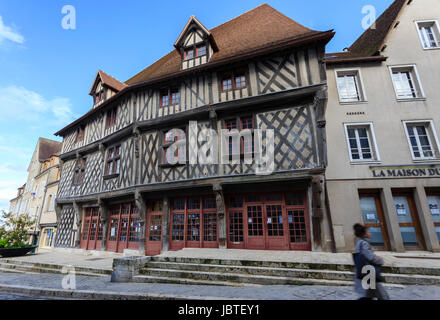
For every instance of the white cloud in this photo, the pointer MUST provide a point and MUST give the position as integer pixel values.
(9, 34)
(8, 191)
(19, 103)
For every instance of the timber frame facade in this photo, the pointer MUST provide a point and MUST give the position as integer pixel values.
(126, 197)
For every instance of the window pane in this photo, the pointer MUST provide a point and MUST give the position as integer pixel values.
(348, 89)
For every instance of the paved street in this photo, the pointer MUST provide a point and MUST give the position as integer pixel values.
(101, 284)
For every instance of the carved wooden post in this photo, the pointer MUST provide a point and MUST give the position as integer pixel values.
(165, 223)
(142, 208)
(58, 212)
(317, 209)
(221, 215)
(78, 217)
(103, 208)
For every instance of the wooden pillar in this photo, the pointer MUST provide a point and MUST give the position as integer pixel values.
(142, 207)
(58, 212)
(103, 208)
(221, 216)
(165, 224)
(78, 218)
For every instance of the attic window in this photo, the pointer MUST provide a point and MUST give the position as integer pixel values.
(189, 54)
(99, 96)
(201, 50)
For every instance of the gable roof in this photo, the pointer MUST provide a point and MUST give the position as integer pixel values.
(107, 80)
(370, 42)
(191, 20)
(255, 32)
(258, 28)
(48, 148)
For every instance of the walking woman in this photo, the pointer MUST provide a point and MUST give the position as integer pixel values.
(364, 249)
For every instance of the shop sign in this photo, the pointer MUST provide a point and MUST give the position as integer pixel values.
(406, 173)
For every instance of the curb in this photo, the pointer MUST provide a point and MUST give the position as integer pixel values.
(96, 295)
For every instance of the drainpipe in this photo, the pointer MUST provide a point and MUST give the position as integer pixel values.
(329, 218)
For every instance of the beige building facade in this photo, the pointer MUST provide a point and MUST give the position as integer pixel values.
(383, 124)
(37, 196)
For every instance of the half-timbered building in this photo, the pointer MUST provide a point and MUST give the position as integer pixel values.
(260, 71)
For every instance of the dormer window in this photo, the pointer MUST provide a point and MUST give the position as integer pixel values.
(169, 97)
(189, 54)
(99, 96)
(201, 50)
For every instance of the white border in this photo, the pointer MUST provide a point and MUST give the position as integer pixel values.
(419, 83)
(420, 36)
(434, 132)
(362, 87)
(373, 135)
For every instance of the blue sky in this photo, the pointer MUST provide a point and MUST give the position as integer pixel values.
(46, 71)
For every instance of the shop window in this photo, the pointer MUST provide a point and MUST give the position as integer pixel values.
(361, 142)
(429, 34)
(422, 139)
(406, 82)
(349, 83)
(236, 227)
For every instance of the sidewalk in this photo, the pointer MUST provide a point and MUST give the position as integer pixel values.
(49, 285)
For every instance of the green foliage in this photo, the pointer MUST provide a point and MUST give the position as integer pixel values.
(14, 233)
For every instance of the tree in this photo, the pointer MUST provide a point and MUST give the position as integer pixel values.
(14, 232)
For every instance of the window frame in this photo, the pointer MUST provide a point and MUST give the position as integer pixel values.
(79, 171)
(412, 68)
(169, 94)
(113, 161)
(80, 133)
(232, 77)
(431, 130)
(435, 24)
(371, 139)
(197, 50)
(238, 120)
(166, 144)
(111, 117)
(359, 83)
(185, 55)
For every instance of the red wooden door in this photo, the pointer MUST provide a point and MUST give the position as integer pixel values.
(113, 228)
(93, 231)
(134, 230)
(178, 222)
(209, 223)
(193, 223)
(298, 221)
(86, 229)
(275, 223)
(153, 239)
(235, 223)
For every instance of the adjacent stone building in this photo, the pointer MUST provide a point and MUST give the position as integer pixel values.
(37, 196)
(383, 122)
(129, 180)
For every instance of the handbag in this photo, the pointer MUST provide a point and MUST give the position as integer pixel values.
(360, 262)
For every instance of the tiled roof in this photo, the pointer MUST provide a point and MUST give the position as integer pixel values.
(258, 28)
(109, 81)
(370, 42)
(48, 148)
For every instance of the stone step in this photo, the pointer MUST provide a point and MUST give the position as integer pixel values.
(56, 266)
(430, 271)
(205, 271)
(240, 278)
(28, 268)
(264, 271)
(186, 281)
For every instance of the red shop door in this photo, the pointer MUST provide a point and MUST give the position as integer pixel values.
(298, 221)
(113, 228)
(86, 229)
(275, 223)
(209, 226)
(193, 223)
(235, 216)
(94, 226)
(178, 209)
(153, 244)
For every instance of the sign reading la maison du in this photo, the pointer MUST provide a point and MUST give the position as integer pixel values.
(410, 171)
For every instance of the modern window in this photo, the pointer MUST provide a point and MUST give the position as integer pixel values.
(169, 138)
(80, 168)
(422, 139)
(406, 82)
(79, 134)
(169, 97)
(235, 80)
(113, 161)
(361, 142)
(350, 87)
(429, 33)
(111, 118)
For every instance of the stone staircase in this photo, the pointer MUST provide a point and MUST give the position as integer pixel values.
(18, 266)
(225, 272)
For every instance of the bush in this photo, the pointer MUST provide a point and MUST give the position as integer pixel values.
(14, 234)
